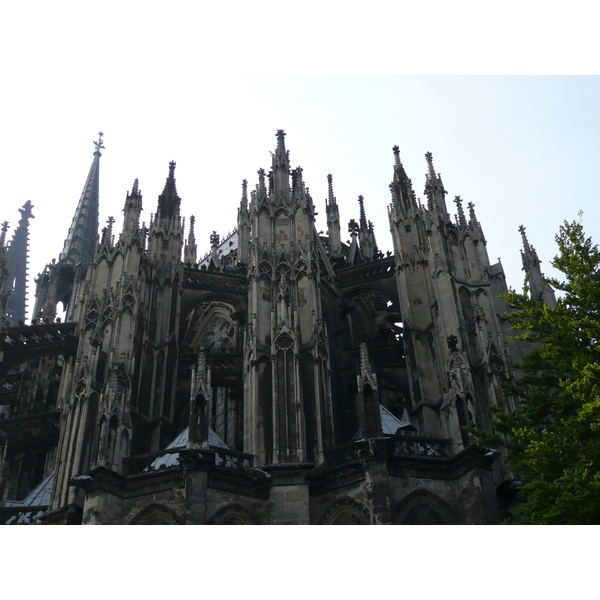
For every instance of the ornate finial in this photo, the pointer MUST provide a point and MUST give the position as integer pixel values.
(396, 151)
(472, 212)
(26, 213)
(353, 227)
(363, 218)
(429, 159)
(523, 236)
(99, 145)
(135, 190)
(214, 239)
(109, 223)
(261, 182)
(172, 166)
(461, 212)
(330, 196)
(192, 221)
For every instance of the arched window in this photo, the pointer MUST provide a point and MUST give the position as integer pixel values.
(423, 507)
(345, 512)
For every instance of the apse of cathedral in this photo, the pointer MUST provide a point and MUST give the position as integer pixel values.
(286, 377)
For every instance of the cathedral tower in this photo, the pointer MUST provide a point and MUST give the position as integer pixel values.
(288, 414)
(61, 280)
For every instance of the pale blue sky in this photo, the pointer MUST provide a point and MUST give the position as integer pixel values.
(162, 87)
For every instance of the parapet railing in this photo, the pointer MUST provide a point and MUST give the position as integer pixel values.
(398, 445)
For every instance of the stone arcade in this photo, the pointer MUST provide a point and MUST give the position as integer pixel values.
(285, 378)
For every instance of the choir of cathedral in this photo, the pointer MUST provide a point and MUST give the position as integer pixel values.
(285, 378)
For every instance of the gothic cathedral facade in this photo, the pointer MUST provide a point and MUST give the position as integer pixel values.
(285, 378)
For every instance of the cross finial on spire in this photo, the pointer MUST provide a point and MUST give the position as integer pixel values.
(524, 237)
(472, 216)
(396, 156)
(363, 218)
(429, 159)
(461, 212)
(26, 211)
(330, 196)
(172, 166)
(99, 145)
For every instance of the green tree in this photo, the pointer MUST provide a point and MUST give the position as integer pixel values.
(554, 432)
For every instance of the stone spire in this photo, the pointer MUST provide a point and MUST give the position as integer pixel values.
(363, 218)
(80, 244)
(403, 196)
(244, 225)
(434, 189)
(365, 236)
(368, 390)
(540, 289)
(79, 247)
(333, 220)
(190, 250)
(169, 201)
(16, 264)
(460, 212)
(132, 208)
(280, 169)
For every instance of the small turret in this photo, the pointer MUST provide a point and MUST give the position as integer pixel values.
(403, 196)
(540, 289)
(368, 394)
(460, 217)
(365, 233)
(354, 255)
(244, 226)
(190, 250)
(434, 189)
(280, 169)
(169, 202)
(16, 265)
(333, 220)
(133, 208)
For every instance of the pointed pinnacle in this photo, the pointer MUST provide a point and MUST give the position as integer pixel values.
(524, 237)
(429, 158)
(99, 145)
(461, 212)
(472, 212)
(363, 218)
(280, 140)
(397, 156)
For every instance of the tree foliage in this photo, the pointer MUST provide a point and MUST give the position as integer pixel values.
(554, 432)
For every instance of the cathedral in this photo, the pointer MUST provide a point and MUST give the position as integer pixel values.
(286, 377)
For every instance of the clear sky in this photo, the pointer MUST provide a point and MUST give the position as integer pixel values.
(209, 88)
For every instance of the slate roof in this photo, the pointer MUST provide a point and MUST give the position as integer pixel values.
(171, 460)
